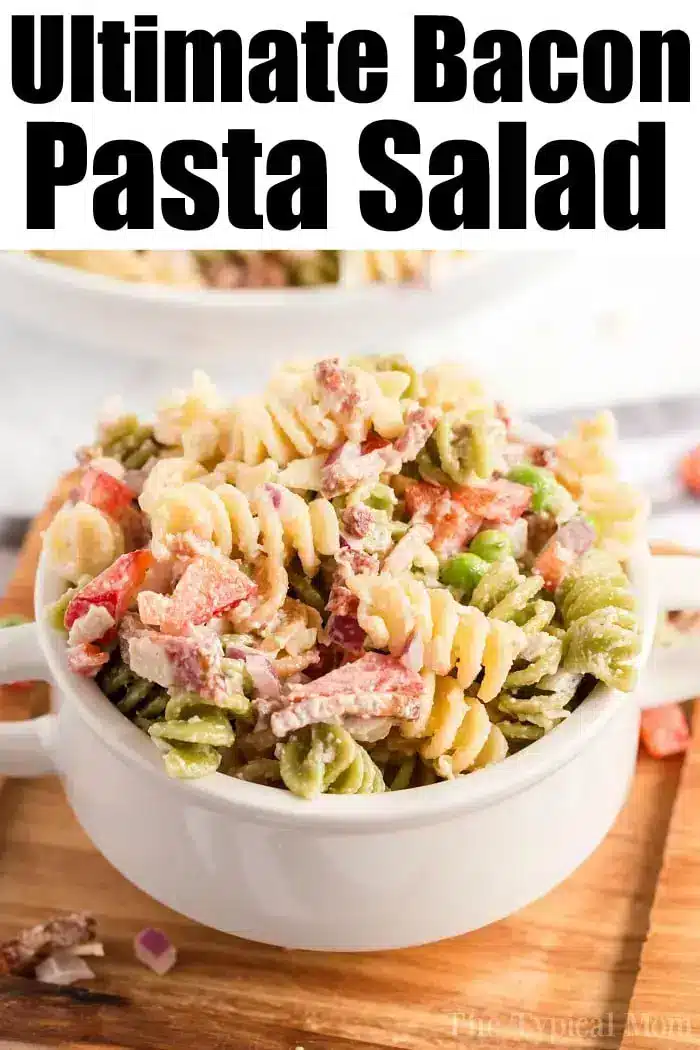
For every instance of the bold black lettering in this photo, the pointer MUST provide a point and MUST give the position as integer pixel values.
(675, 44)
(203, 48)
(204, 197)
(317, 40)
(24, 71)
(280, 67)
(310, 183)
(146, 58)
(512, 175)
(406, 187)
(113, 39)
(651, 194)
(358, 50)
(82, 42)
(44, 173)
(546, 84)
(578, 183)
(500, 79)
(598, 46)
(135, 183)
(242, 151)
(431, 54)
(472, 181)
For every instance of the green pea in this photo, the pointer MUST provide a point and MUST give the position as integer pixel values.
(463, 572)
(541, 482)
(491, 545)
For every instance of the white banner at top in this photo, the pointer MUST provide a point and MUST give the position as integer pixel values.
(362, 126)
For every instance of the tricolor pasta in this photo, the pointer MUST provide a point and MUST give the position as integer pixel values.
(361, 580)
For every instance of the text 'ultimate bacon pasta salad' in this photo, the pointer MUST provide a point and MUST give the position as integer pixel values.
(363, 579)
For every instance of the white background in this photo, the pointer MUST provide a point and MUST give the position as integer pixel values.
(337, 126)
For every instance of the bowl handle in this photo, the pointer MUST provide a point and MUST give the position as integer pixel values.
(26, 747)
(672, 673)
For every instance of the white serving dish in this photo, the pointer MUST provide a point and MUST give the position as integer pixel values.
(103, 313)
(342, 873)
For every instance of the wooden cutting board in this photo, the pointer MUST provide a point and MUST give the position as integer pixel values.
(560, 973)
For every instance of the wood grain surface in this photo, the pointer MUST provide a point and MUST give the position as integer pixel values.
(665, 1008)
(559, 973)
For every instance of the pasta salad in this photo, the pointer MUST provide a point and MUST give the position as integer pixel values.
(231, 270)
(363, 579)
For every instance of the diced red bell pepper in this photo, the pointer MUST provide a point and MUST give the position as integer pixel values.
(499, 502)
(107, 493)
(552, 563)
(690, 471)
(569, 542)
(665, 731)
(86, 659)
(372, 442)
(421, 497)
(114, 588)
(453, 528)
(453, 525)
(208, 587)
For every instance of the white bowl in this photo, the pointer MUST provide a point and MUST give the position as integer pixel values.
(121, 317)
(341, 872)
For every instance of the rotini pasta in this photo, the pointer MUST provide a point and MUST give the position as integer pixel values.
(305, 411)
(273, 520)
(602, 636)
(82, 541)
(325, 758)
(458, 732)
(586, 466)
(392, 609)
(362, 580)
(230, 270)
(191, 419)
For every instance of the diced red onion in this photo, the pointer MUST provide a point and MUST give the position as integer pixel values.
(275, 494)
(154, 949)
(63, 968)
(265, 680)
(413, 655)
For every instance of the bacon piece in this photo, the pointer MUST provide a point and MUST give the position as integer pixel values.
(114, 589)
(21, 954)
(375, 686)
(102, 490)
(91, 627)
(339, 393)
(86, 659)
(420, 423)
(358, 521)
(499, 502)
(207, 588)
(345, 631)
(569, 542)
(191, 662)
(346, 467)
